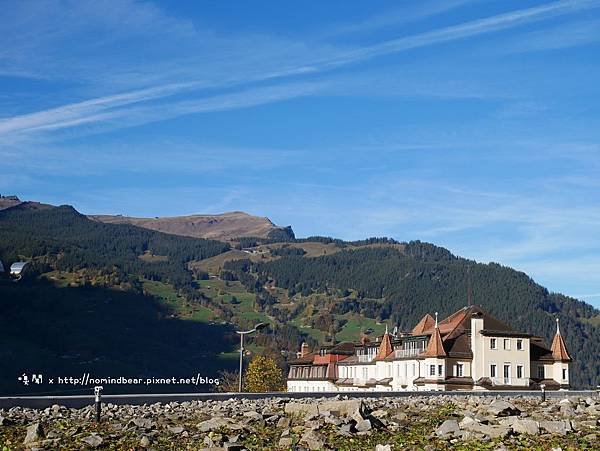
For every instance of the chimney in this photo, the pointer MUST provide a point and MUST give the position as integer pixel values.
(304, 350)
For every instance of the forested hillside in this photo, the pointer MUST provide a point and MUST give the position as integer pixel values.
(103, 286)
(61, 238)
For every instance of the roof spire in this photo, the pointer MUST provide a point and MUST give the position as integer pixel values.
(436, 320)
(559, 349)
(385, 347)
(435, 347)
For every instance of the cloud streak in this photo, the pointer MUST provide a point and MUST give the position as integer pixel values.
(462, 31)
(109, 108)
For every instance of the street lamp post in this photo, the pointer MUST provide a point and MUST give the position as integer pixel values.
(259, 326)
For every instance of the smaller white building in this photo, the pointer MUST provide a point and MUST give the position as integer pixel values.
(17, 269)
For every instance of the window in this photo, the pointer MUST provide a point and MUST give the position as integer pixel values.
(492, 370)
(440, 369)
(365, 373)
(493, 343)
(507, 343)
(564, 374)
(432, 370)
(506, 373)
(519, 345)
(459, 370)
(519, 371)
(541, 374)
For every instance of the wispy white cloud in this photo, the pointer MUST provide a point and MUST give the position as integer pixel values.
(572, 34)
(462, 31)
(106, 112)
(405, 12)
(109, 108)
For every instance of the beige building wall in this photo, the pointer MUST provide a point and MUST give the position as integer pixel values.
(504, 353)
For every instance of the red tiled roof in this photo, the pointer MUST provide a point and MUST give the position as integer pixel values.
(460, 321)
(559, 349)
(426, 323)
(435, 348)
(385, 348)
(306, 360)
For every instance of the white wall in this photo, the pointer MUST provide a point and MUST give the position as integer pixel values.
(505, 353)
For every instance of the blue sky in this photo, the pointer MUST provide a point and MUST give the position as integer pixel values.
(470, 124)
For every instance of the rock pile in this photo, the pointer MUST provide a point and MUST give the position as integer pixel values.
(415, 422)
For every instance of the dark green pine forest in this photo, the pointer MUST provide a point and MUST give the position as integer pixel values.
(119, 299)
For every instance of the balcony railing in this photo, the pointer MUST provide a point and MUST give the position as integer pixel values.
(515, 381)
(365, 358)
(400, 353)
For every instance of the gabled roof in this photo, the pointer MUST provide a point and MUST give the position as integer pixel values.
(459, 347)
(426, 323)
(460, 322)
(558, 348)
(305, 360)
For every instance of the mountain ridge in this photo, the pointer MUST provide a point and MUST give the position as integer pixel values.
(227, 226)
(223, 226)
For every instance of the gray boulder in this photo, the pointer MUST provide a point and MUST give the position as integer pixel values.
(35, 433)
(501, 408)
(560, 427)
(144, 441)
(526, 426)
(176, 430)
(298, 408)
(213, 424)
(93, 440)
(448, 427)
(5, 421)
(314, 440)
(363, 426)
(285, 442)
(345, 408)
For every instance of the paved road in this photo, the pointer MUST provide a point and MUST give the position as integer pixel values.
(78, 401)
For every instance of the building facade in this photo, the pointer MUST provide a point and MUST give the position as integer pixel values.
(469, 350)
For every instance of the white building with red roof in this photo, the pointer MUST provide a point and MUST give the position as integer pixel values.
(468, 350)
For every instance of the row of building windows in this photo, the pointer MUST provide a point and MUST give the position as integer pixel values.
(506, 371)
(506, 343)
(307, 372)
(306, 388)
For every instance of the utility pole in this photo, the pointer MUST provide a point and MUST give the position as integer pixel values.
(259, 326)
(469, 291)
